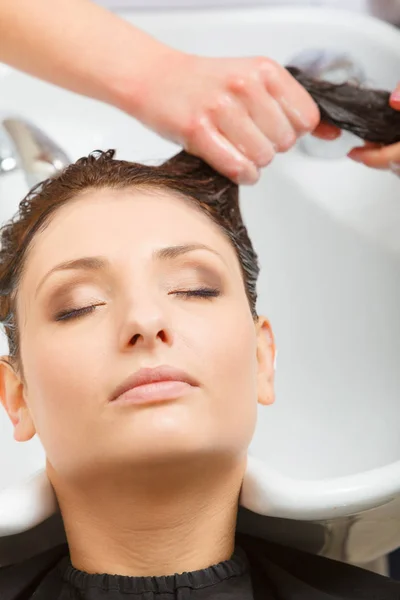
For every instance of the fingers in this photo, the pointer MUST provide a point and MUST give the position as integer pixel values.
(278, 104)
(241, 130)
(213, 147)
(324, 131)
(377, 157)
(266, 114)
(294, 100)
(251, 109)
(395, 98)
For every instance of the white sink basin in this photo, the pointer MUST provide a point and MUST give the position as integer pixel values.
(328, 235)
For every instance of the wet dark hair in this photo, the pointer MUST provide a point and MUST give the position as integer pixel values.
(364, 112)
(187, 175)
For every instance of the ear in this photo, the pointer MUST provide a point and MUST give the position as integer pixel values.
(13, 399)
(266, 354)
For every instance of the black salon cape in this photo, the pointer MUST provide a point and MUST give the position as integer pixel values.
(259, 570)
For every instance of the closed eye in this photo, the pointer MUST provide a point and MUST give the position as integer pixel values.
(75, 313)
(198, 293)
(70, 314)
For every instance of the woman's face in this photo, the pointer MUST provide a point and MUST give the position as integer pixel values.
(160, 285)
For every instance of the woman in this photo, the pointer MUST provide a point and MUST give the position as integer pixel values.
(138, 357)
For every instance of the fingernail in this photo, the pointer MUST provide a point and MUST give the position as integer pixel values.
(246, 173)
(355, 157)
(289, 138)
(395, 97)
(331, 135)
(248, 178)
(264, 158)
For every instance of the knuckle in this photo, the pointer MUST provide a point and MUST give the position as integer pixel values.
(192, 127)
(264, 63)
(265, 158)
(256, 69)
(237, 82)
(219, 104)
(266, 68)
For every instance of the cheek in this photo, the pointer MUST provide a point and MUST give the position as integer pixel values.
(229, 365)
(63, 380)
(233, 358)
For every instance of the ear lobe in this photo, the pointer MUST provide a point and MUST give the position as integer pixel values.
(266, 355)
(13, 401)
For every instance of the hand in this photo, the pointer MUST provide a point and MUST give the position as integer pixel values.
(377, 156)
(236, 114)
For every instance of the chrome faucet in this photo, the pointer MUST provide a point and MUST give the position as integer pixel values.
(24, 146)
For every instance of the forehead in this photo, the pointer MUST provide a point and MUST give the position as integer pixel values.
(124, 222)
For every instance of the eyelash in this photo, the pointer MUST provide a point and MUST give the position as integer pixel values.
(66, 315)
(205, 293)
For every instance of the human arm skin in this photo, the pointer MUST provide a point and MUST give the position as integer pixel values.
(235, 113)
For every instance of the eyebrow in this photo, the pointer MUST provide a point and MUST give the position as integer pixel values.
(100, 263)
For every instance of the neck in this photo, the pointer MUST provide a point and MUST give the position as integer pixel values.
(160, 523)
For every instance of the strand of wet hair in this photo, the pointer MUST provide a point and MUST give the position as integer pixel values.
(362, 111)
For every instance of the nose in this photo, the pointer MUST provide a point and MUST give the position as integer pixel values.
(145, 327)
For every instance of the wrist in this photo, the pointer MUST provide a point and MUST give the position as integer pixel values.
(139, 74)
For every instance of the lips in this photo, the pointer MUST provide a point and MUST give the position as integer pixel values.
(158, 375)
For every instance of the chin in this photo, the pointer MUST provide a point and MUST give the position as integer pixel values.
(165, 446)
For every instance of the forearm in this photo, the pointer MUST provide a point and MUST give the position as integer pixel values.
(77, 45)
